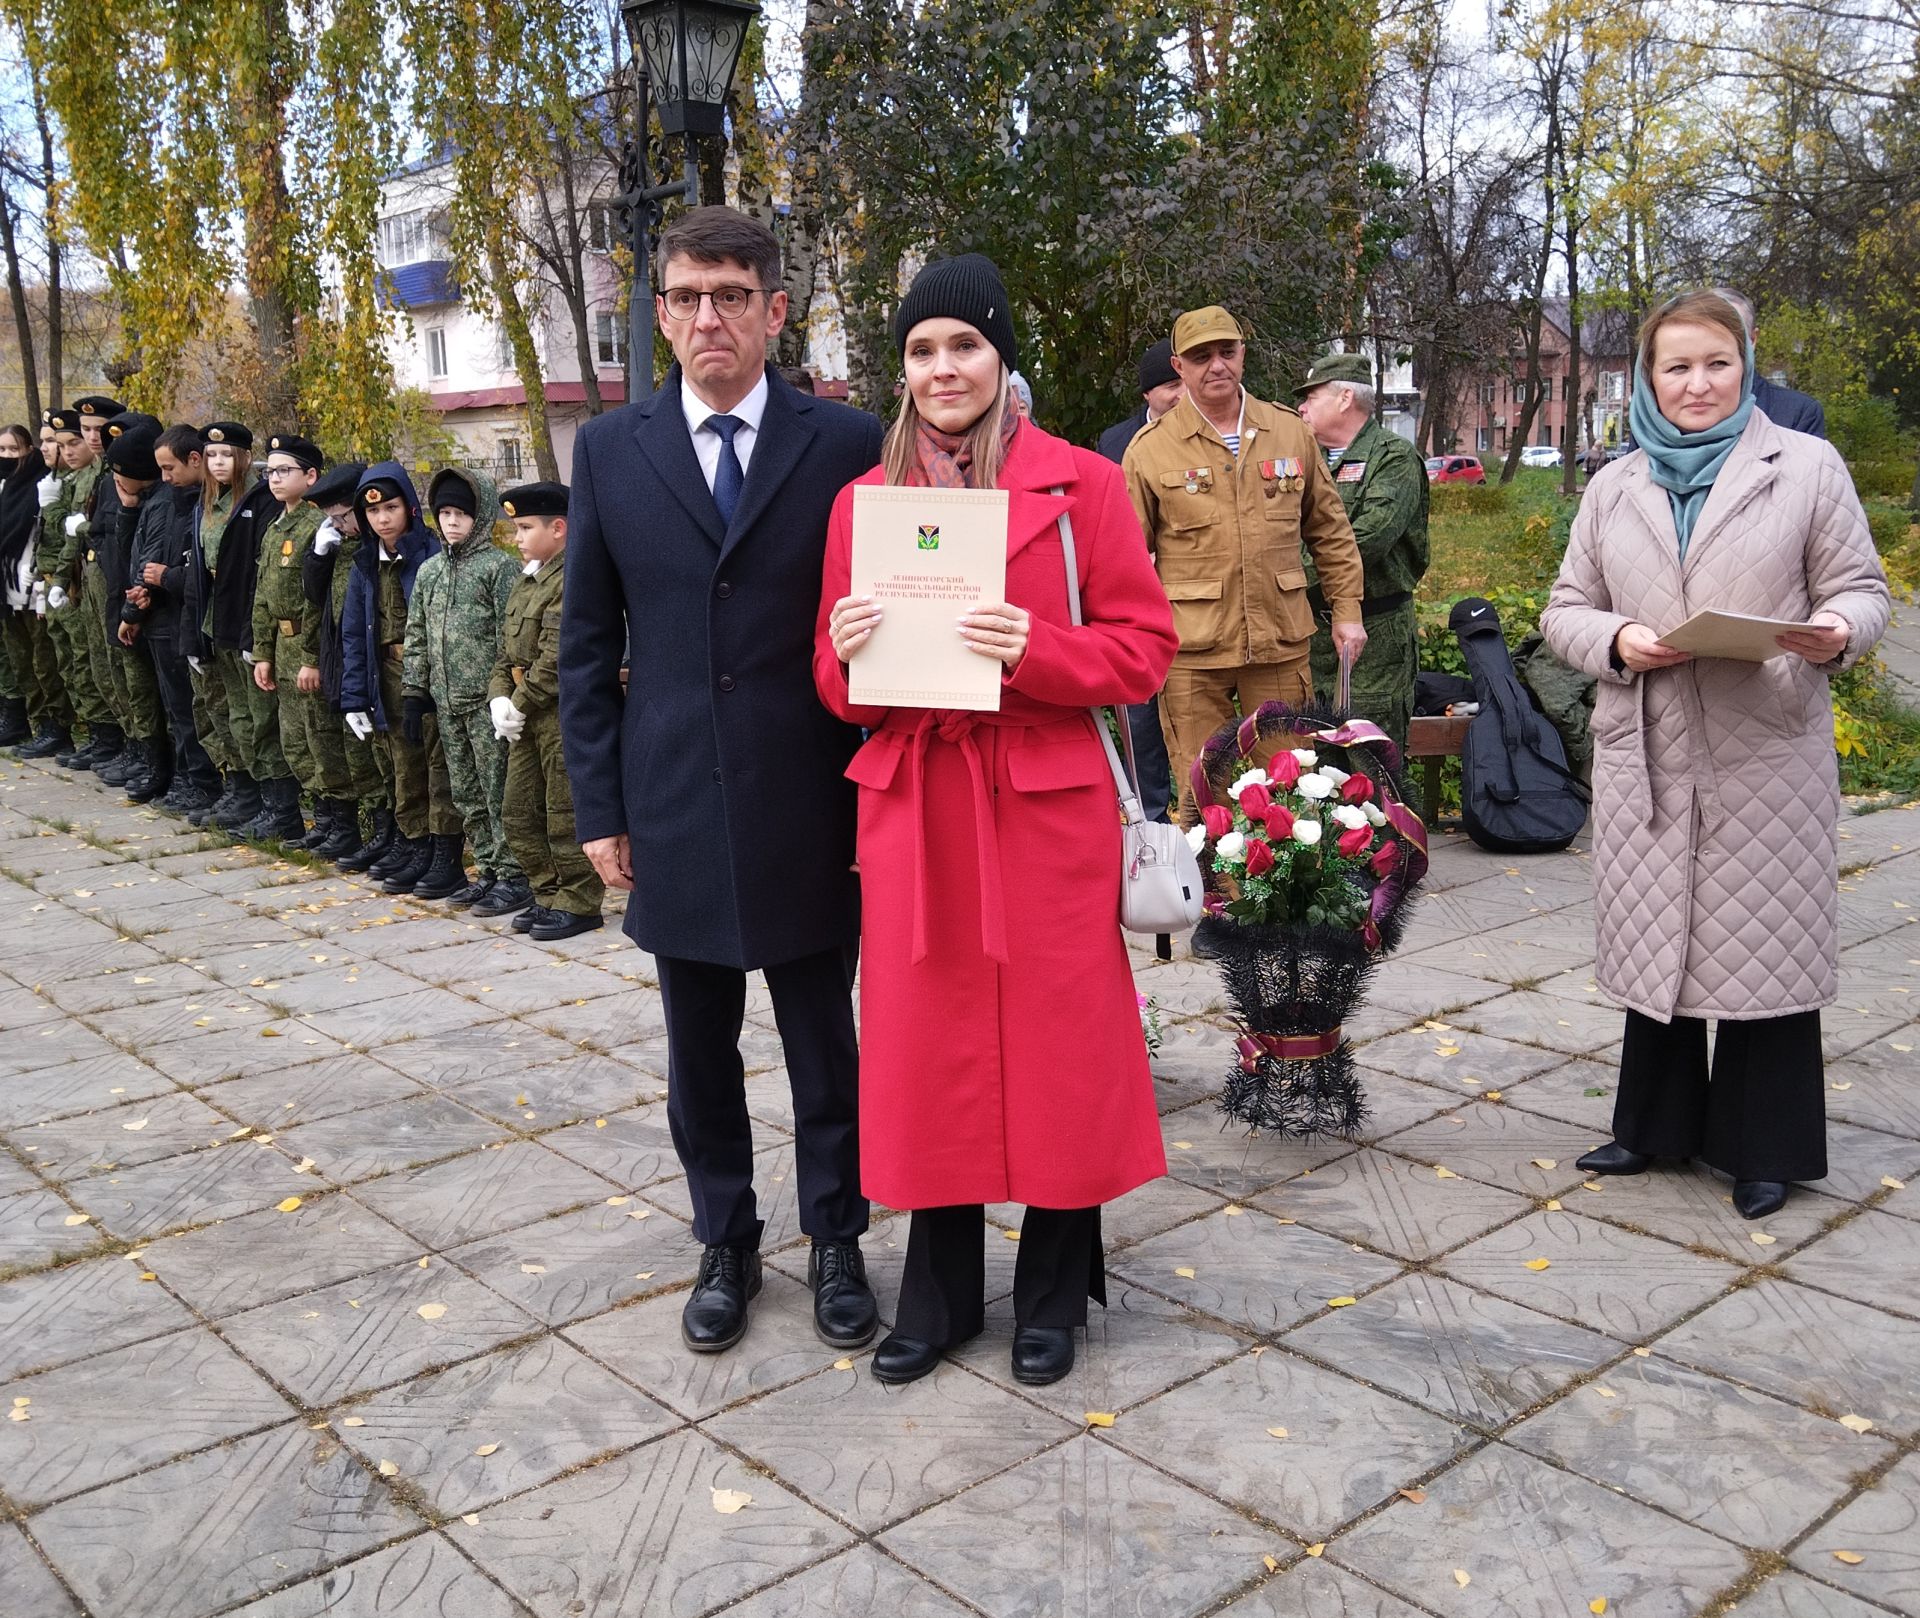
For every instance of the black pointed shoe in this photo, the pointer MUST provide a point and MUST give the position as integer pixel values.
(715, 1316)
(903, 1359)
(1613, 1158)
(1755, 1199)
(1042, 1354)
(844, 1313)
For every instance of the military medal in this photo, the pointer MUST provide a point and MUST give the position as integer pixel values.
(1351, 472)
(1197, 475)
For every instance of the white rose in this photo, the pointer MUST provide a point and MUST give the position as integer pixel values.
(1196, 838)
(1338, 777)
(1231, 846)
(1375, 815)
(1306, 832)
(1306, 757)
(1313, 787)
(1345, 814)
(1251, 778)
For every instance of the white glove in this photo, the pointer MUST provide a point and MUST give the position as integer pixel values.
(507, 722)
(361, 724)
(196, 665)
(326, 539)
(249, 659)
(56, 598)
(40, 599)
(48, 489)
(76, 523)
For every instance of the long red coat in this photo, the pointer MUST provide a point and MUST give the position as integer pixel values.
(1001, 1058)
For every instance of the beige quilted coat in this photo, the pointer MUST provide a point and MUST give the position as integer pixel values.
(1715, 791)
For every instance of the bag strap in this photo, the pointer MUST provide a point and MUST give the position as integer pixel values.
(1125, 776)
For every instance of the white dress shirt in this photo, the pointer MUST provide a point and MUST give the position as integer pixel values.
(706, 445)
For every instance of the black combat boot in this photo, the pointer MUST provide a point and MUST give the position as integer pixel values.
(344, 839)
(483, 883)
(104, 745)
(412, 868)
(50, 739)
(507, 897)
(446, 876)
(375, 848)
(14, 728)
(243, 804)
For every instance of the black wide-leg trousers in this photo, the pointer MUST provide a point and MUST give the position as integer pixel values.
(942, 1292)
(1759, 1113)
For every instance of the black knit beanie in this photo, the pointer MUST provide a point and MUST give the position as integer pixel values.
(450, 488)
(966, 288)
(1156, 366)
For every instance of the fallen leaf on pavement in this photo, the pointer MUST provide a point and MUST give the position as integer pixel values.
(1761, 1239)
(1276, 1432)
(1099, 1418)
(486, 1449)
(1185, 1271)
(1340, 1303)
(1462, 1577)
(1851, 1558)
(1856, 1424)
(728, 1501)
(389, 1470)
(1538, 1263)
(843, 1365)
(287, 1204)
(431, 1311)
(1546, 1162)
(1417, 1497)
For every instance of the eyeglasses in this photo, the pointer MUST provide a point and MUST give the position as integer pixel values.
(729, 303)
(282, 471)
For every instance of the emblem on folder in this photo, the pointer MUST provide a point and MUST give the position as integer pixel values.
(929, 536)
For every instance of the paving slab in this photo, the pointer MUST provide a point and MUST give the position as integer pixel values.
(1317, 1589)
(123, 1136)
(324, 1087)
(1406, 1209)
(391, 1135)
(39, 1227)
(1499, 1145)
(422, 1577)
(196, 1188)
(1792, 1596)
(32, 1590)
(585, 1262)
(1882, 1529)
(862, 1583)
(1212, 1152)
(481, 1193)
(633, 1148)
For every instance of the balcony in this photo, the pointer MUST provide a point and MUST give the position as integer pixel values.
(421, 285)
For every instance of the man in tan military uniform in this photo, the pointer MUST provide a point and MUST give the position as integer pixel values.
(1228, 487)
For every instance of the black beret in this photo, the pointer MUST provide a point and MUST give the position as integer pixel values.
(535, 500)
(234, 433)
(64, 421)
(128, 421)
(336, 486)
(98, 404)
(304, 450)
(131, 452)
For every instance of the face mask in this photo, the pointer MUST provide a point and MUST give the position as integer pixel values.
(9, 464)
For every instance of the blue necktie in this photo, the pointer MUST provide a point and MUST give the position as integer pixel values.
(728, 478)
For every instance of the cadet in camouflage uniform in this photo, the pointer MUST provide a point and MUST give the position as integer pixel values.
(565, 889)
(285, 655)
(1382, 482)
(124, 674)
(57, 567)
(454, 625)
(25, 630)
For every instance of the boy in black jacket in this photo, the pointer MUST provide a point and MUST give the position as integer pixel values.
(119, 512)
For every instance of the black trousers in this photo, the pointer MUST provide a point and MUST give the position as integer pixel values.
(942, 1290)
(1760, 1113)
(707, 1100)
(175, 680)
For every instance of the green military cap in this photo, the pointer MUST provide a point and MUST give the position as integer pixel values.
(535, 500)
(64, 421)
(100, 406)
(1354, 369)
(233, 433)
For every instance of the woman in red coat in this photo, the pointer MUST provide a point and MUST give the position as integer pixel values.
(1001, 1056)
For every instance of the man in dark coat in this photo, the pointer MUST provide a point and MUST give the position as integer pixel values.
(1783, 406)
(715, 791)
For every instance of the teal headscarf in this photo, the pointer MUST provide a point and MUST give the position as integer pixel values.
(1685, 464)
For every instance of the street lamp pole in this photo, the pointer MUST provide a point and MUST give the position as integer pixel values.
(686, 52)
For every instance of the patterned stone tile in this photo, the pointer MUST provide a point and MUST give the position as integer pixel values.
(1578, 1093)
(1388, 1203)
(1313, 1588)
(1735, 1462)
(1693, 1205)
(76, 1087)
(114, 986)
(1613, 1280)
(422, 1577)
(1347, 1447)
(1535, 1542)
(541, 1409)
(308, 1092)
(197, 1188)
(1501, 1145)
(1834, 1356)
(1100, 1531)
(260, 1257)
(535, 987)
(481, 1194)
(15, 1175)
(1882, 1528)
(1860, 1160)
(1490, 1063)
(585, 1262)
(1395, 1104)
(776, 1192)
(862, 1583)
(467, 1055)
(1791, 1596)
(1209, 1150)
(75, 1310)
(872, 1454)
(1454, 1350)
(111, 1416)
(677, 1554)
(393, 1135)
(642, 1343)
(123, 1136)
(1862, 1259)
(580, 1086)
(425, 1012)
(619, 1020)
(1423, 991)
(340, 983)
(37, 1227)
(212, 1011)
(189, 1538)
(632, 1148)
(232, 1053)
(370, 1332)
(1251, 1270)
(1875, 1097)
(32, 1590)
(1149, 1209)
(1575, 1026)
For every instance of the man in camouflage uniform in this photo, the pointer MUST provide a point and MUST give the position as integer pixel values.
(565, 889)
(454, 625)
(1382, 483)
(285, 655)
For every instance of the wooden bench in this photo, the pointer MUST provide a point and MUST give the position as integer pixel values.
(1430, 739)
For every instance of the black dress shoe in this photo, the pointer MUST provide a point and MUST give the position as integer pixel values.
(716, 1313)
(1755, 1199)
(561, 924)
(904, 1359)
(844, 1313)
(1613, 1158)
(1042, 1354)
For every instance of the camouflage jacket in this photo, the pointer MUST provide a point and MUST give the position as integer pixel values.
(459, 611)
(531, 647)
(58, 550)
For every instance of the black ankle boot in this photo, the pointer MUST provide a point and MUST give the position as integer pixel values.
(375, 848)
(344, 839)
(445, 876)
(14, 728)
(1755, 1199)
(410, 870)
(243, 806)
(1042, 1354)
(321, 829)
(51, 739)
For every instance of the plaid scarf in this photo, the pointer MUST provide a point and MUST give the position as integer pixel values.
(943, 461)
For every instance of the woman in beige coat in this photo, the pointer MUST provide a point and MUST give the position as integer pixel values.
(1715, 788)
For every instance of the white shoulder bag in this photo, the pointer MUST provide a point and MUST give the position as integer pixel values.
(1160, 888)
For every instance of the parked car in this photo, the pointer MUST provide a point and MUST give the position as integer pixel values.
(1455, 469)
(1540, 455)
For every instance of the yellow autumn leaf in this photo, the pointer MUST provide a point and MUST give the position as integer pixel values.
(1099, 1418)
(1490, 1095)
(21, 1402)
(1892, 1184)
(533, 1269)
(599, 1123)
(1232, 1209)
(1552, 1205)
(486, 1449)
(1597, 1606)
(1276, 1432)
(1340, 1303)
(1317, 1549)
(1851, 1558)
(134, 1125)
(643, 1275)
(520, 1101)
(843, 1365)
(287, 1204)
(1591, 1185)
(431, 1311)
(19, 1414)
(1643, 1353)
(618, 1202)
(1546, 1162)
(78, 1219)
(728, 1501)
(389, 1470)
(1442, 1172)
(471, 1519)
(1462, 1577)
(1185, 1271)
(425, 1262)
(354, 1421)
(1760, 1238)
(1270, 1564)
(270, 1033)
(1011, 1235)
(148, 1275)
(1414, 1497)
(1183, 1146)
(1856, 1424)
(1538, 1263)
(1605, 1393)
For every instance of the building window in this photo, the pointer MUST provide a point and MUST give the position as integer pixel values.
(1486, 397)
(1483, 439)
(510, 460)
(603, 227)
(503, 354)
(410, 238)
(1613, 387)
(436, 352)
(609, 339)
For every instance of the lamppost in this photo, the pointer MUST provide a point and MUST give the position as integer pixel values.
(684, 54)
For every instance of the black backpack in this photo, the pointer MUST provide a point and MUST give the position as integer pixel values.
(1517, 795)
